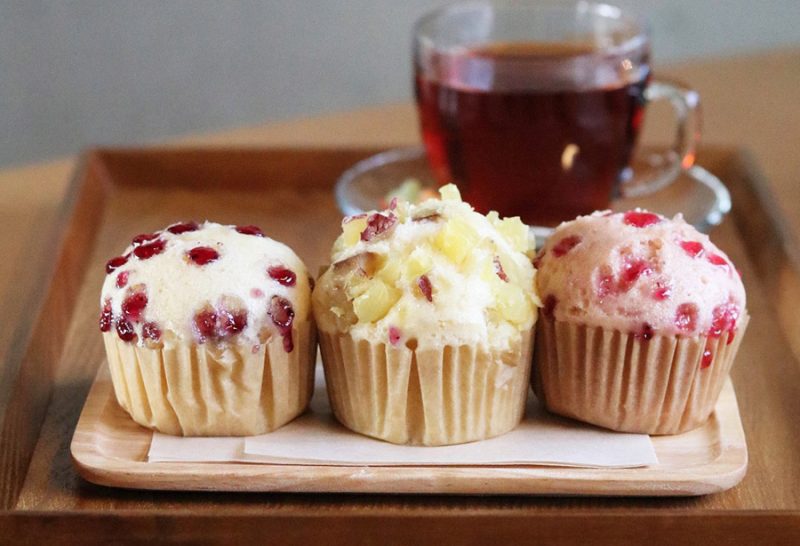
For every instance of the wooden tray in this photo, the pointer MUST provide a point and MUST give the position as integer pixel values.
(57, 352)
(110, 449)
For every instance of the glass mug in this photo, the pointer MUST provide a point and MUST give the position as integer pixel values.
(534, 109)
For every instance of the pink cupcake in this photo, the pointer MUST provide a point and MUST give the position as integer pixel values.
(641, 322)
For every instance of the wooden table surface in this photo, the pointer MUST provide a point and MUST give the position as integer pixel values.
(749, 102)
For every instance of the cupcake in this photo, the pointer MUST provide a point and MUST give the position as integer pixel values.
(426, 322)
(641, 321)
(208, 331)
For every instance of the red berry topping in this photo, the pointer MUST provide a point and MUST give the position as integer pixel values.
(393, 203)
(177, 229)
(122, 279)
(149, 250)
(716, 259)
(231, 323)
(605, 285)
(250, 230)
(498, 268)
(708, 358)
(283, 275)
(143, 238)
(205, 324)
(686, 317)
(662, 292)
(646, 333)
(425, 287)
(115, 263)
(566, 244)
(692, 248)
(394, 335)
(106, 317)
(640, 219)
(632, 269)
(202, 255)
(133, 305)
(151, 331)
(378, 224)
(723, 319)
(125, 330)
(282, 314)
(550, 303)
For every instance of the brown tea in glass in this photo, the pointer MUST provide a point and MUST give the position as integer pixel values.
(534, 110)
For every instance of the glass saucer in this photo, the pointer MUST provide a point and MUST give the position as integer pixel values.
(699, 195)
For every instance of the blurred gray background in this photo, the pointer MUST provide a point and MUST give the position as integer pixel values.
(81, 72)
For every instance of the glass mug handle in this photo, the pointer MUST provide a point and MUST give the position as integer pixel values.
(680, 156)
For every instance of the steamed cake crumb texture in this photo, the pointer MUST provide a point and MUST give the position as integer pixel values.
(640, 273)
(432, 274)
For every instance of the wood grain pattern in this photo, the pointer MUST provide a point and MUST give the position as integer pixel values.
(53, 497)
(108, 448)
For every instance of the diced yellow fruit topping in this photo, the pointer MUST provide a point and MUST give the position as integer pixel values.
(456, 239)
(375, 301)
(351, 231)
(515, 232)
(450, 193)
(390, 271)
(512, 304)
(418, 263)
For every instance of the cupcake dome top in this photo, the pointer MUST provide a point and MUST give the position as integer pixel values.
(204, 283)
(429, 274)
(640, 273)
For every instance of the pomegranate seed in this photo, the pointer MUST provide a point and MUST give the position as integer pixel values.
(646, 333)
(640, 219)
(230, 323)
(282, 314)
(205, 322)
(257, 293)
(425, 287)
(283, 275)
(202, 255)
(498, 268)
(632, 269)
(377, 224)
(115, 263)
(716, 259)
(177, 229)
(122, 279)
(605, 286)
(125, 330)
(550, 303)
(106, 317)
(143, 238)
(686, 317)
(151, 331)
(566, 244)
(723, 318)
(662, 292)
(692, 248)
(250, 230)
(708, 358)
(149, 250)
(393, 203)
(394, 335)
(133, 305)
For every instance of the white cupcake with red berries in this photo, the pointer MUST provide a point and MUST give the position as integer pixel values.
(426, 322)
(208, 330)
(641, 322)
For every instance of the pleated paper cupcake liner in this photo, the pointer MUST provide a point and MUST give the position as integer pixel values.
(202, 390)
(618, 381)
(450, 395)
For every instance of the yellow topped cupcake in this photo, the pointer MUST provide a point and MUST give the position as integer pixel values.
(426, 318)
